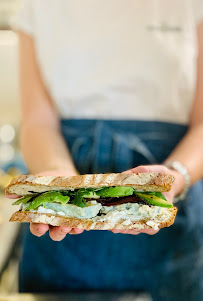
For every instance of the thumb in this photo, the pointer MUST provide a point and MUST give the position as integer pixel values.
(12, 196)
(147, 168)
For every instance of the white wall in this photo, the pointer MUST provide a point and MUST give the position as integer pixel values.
(9, 90)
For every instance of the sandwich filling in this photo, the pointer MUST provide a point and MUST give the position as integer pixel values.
(112, 204)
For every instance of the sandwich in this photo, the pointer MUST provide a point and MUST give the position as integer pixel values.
(95, 201)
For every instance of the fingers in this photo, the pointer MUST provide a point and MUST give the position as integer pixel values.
(148, 168)
(59, 233)
(56, 233)
(169, 195)
(133, 232)
(76, 231)
(13, 196)
(136, 232)
(38, 229)
(149, 231)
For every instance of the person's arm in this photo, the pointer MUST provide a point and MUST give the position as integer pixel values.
(190, 149)
(42, 144)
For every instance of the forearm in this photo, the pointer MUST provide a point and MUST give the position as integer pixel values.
(44, 149)
(190, 152)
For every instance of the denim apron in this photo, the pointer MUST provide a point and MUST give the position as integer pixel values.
(168, 265)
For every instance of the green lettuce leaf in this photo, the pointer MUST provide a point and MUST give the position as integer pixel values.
(23, 200)
(48, 197)
(79, 199)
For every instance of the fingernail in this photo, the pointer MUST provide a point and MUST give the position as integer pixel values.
(65, 231)
(78, 230)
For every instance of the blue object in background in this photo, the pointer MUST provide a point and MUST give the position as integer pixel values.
(17, 162)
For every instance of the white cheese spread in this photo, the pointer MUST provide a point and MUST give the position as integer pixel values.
(91, 210)
(125, 213)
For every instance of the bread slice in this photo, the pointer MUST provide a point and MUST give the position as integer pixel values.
(26, 184)
(88, 224)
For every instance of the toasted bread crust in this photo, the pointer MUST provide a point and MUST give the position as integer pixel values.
(86, 224)
(23, 185)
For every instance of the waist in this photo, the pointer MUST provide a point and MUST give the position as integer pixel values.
(140, 127)
(117, 145)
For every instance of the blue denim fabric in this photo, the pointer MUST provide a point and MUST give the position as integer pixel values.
(168, 265)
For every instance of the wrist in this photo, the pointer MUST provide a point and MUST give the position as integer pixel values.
(182, 182)
(179, 182)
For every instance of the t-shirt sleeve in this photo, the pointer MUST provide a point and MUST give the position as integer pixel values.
(23, 20)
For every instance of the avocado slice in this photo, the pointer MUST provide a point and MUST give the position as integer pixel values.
(48, 197)
(153, 199)
(80, 196)
(23, 200)
(118, 191)
(90, 195)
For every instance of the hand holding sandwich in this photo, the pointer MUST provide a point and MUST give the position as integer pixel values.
(56, 233)
(59, 232)
(177, 187)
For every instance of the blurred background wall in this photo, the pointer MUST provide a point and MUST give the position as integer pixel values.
(9, 94)
(9, 88)
(11, 162)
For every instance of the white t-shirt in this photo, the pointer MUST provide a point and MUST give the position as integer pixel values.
(116, 59)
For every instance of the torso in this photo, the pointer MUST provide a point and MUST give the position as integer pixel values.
(125, 60)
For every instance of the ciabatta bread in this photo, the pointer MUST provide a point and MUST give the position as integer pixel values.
(89, 224)
(26, 184)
